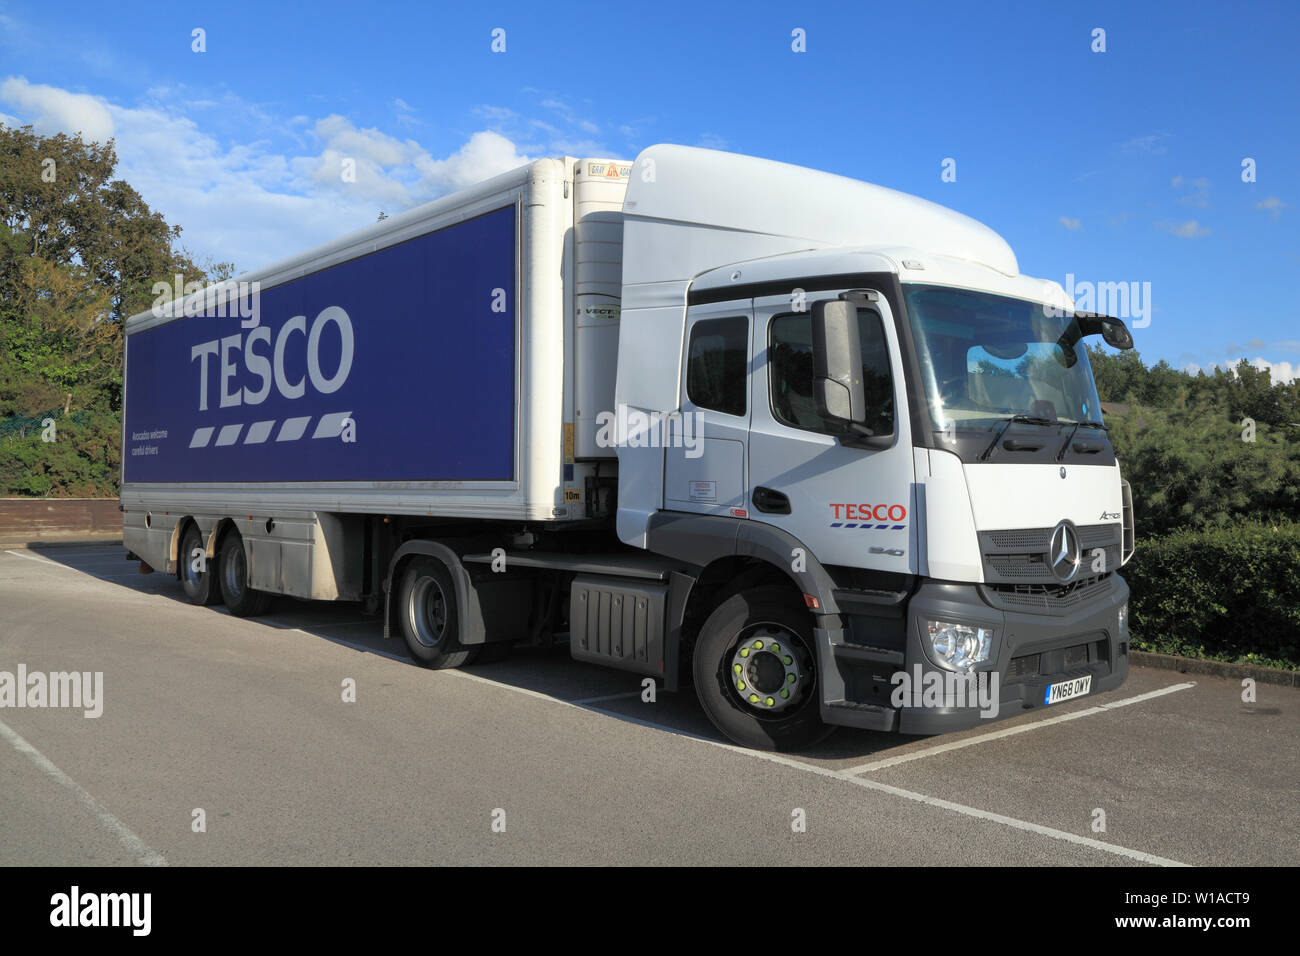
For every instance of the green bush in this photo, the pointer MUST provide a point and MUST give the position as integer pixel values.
(1229, 593)
(83, 460)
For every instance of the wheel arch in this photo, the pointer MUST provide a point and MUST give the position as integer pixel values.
(733, 544)
(469, 612)
(211, 540)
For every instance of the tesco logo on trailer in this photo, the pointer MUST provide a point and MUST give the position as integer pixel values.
(235, 353)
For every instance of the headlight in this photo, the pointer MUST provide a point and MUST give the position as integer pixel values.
(959, 646)
(1123, 619)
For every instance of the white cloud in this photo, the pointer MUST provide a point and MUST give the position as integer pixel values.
(1200, 194)
(487, 154)
(1191, 229)
(1151, 145)
(1273, 205)
(1279, 372)
(272, 191)
(1069, 223)
(52, 110)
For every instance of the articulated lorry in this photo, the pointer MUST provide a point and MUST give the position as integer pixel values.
(813, 445)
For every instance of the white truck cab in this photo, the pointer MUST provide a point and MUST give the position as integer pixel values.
(891, 413)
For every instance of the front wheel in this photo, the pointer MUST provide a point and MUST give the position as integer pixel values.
(755, 671)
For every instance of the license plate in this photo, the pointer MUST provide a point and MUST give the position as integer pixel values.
(1067, 690)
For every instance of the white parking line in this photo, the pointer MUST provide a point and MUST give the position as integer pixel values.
(1012, 731)
(593, 700)
(1050, 832)
(31, 557)
(323, 624)
(141, 851)
(97, 575)
(117, 553)
(349, 644)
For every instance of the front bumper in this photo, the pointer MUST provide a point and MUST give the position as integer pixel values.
(1031, 650)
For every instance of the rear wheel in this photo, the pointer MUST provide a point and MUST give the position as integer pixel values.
(196, 576)
(241, 600)
(429, 616)
(755, 671)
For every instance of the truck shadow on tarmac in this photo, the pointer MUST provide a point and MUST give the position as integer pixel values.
(545, 671)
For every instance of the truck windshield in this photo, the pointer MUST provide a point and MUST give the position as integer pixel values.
(985, 358)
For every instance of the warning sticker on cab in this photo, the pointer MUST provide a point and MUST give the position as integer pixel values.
(704, 491)
(609, 170)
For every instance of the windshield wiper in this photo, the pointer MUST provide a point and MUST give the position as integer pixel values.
(1070, 437)
(1007, 422)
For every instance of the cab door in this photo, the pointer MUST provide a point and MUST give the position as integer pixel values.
(705, 449)
(850, 505)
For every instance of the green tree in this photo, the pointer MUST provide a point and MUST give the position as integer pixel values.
(1190, 467)
(79, 253)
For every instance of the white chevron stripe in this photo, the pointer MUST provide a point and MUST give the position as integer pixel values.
(331, 426)
(229, 434)
(259, 432)
(201, 437)
(293, 428)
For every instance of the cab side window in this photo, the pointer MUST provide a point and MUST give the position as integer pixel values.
(717, 365)
(790, 370)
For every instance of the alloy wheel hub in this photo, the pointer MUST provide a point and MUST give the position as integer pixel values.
(766, 671)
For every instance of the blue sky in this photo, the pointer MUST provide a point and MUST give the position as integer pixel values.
(1117, 166)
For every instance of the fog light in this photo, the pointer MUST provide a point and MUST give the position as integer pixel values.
(959, 646)
(1123, 619)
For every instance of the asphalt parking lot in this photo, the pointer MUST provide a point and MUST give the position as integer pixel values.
(538, 759)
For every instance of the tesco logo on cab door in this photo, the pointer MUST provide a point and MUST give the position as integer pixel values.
(846, 512)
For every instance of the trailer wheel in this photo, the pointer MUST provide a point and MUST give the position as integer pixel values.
(755, 671)
(429, 616)
(197, 578)
(241, 600)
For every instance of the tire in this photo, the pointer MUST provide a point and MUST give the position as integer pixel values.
(200, 586)
(232, 572)
(429, 616)
(759, 640)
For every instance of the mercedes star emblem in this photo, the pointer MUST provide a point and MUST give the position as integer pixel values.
(1063, 552)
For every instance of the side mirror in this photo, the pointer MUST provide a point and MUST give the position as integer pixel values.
(1113, 331)
(837, 361)
(1116, 334)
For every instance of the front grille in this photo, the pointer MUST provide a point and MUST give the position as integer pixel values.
(1022, 668)
(1033, 539)
(1050, 664)
(1076, 656)
(1045, 598)
(1020, 555)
